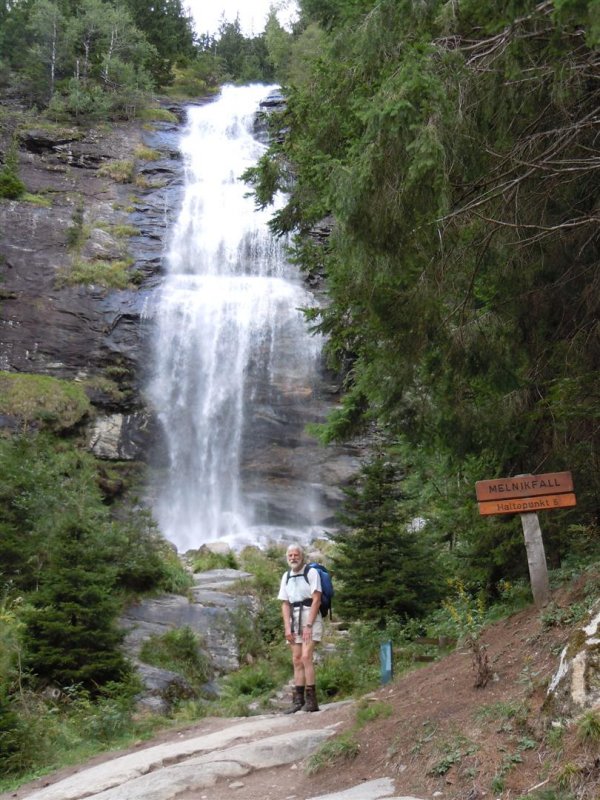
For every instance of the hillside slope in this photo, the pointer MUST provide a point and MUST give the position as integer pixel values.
(436, 735)
(445, 738)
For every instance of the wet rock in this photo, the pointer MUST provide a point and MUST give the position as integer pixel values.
(120, 437)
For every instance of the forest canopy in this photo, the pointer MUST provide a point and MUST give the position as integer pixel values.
(452, 149)
(85, 59)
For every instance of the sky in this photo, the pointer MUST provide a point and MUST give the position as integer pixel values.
(253, 13)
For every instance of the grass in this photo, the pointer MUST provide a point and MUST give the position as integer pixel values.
(145, 153)
(334, 752)
(108, 274)
(513, 712)
(588, 728)
(370, 711)
(155, 114)
(207, 560)
(118, 171)
(41, 400)
(70, 731)
(41, 200)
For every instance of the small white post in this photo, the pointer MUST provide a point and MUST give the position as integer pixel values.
(536, 558)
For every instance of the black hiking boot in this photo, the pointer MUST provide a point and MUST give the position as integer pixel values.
(311, 699)
(297, 700)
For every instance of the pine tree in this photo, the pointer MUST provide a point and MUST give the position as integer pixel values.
(385, 566)
(71, 636)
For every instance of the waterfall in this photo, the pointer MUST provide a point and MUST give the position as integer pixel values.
(231, 346)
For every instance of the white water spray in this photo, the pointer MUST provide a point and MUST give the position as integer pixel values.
(229, 333)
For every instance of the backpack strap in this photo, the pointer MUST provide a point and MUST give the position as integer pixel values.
(300, 604)
(298, 574)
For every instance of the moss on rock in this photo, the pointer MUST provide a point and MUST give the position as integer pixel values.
(42, 401)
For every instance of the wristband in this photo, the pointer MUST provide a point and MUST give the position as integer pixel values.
(308, 625)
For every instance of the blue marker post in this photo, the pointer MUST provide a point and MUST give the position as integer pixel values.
(386, 661)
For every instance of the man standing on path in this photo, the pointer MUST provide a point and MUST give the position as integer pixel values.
(300, 595)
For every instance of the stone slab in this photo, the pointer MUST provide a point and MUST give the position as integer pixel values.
(126, 768)
(199, 773)
(370, 790)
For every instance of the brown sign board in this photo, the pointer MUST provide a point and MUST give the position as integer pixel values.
(527, 505)
(550, 483)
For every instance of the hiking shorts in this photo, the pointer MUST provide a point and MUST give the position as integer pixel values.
(317, 629)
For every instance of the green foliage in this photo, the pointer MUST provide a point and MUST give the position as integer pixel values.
(11, 186)
(40, 200)
(153, 114)
(253, 685)
(11, 628)
(277, 41)
(120, 171)
(145, 561)
(370, 711)
(59, 545)
(333, 753)
(206, 560)
(169, 29)
(179, 650)
(41, 401)
(457, 309)
(244, 59)
(385, 566)
(588, 728)
(266, 568)
(71, 636)
(40, 735)
(199, 78)
(109, 274)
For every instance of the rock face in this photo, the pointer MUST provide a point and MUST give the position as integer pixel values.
(101, 336)
(575, 687)
(211, 612)
(87, 332)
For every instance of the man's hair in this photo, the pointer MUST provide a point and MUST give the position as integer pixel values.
(295, 547)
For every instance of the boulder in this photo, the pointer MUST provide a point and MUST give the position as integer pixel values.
(575, 687)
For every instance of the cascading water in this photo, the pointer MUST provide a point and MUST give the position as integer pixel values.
(230, 337)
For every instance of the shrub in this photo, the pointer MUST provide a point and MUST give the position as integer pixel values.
(179, 650)
(11, 186)
(588, 727)
(253, 683)
(266, 568)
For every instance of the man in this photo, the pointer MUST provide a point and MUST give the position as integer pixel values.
(300, 597)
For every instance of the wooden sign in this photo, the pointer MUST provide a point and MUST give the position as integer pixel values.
(525, 505)
(550, 483)
(526, 495)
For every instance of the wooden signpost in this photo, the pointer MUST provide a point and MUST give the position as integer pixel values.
(526, 495)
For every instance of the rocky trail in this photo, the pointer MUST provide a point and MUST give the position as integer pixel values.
(256, 758)
(434, 736)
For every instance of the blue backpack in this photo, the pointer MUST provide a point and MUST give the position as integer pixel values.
(327, 590)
